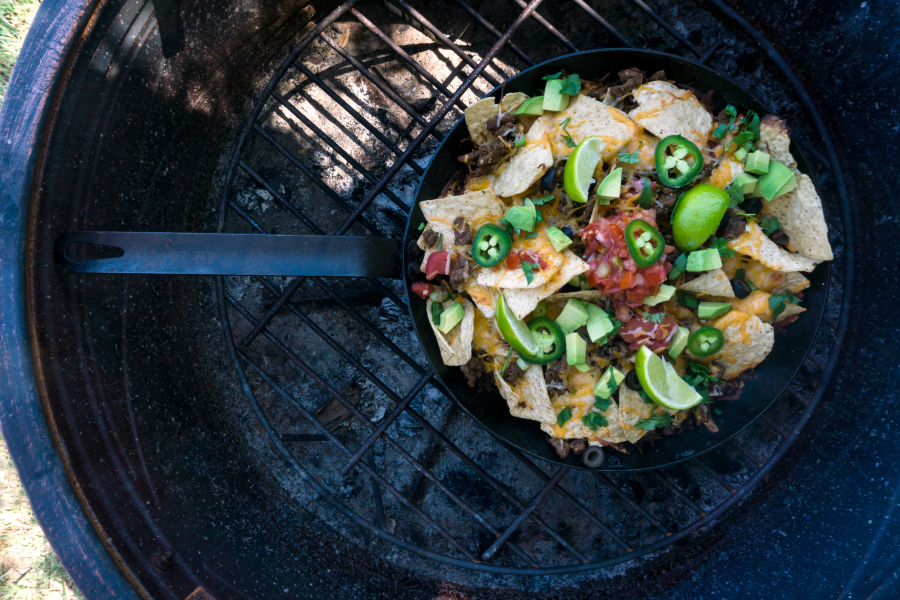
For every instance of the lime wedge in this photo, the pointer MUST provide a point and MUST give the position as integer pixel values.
(662, 383)
(579, 173)
(515, 331)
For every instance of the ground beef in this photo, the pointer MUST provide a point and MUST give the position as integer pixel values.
(493, 125)
(561, 447)
(457, 183)
(658, 76)
(630, 80)
(701, 415)
(431, 237)
(704, 173)
(578, 446)
(594, 89)
(585, 216)
(553, 377)
(472, 370)
(462, 233)
(482, 159)
(732, 226)
(512, 373)
(459, 269)
(667, 197)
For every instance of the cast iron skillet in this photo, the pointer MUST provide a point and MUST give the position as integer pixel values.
(224, 254)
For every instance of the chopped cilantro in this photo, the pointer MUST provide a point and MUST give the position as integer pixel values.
(529, 268)
(721, 244)
(631, 158)
(741, 274)
(569, 141)
(542, 200)
(654, 317)
(654, 421)
(744, 137)
(602, 403)
(452, 296)
(594, 420)
(571, 85)
(436, 309)
(554, 76)
(735, 196)
(563, 416)
(723, 129)
(421, 226)
(506, 362)
(645, 397)
(751, 122)
(770, 225)
(699, 376)
(531, 235)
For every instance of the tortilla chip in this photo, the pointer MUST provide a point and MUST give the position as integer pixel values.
(574, 428)
(523, 301)
(482, 111)
(725, 173)
(485, 299)
(748, 340)
(632, 409)
(589, 117)
(711, 283)
(593, 296)
(665, 109)
(756, 244)
(775, 139)
(527, 164)
(789, 311)
(456, 346)
(440, 214)
(514, 279)
(800, 214)
(793, 282)
(528, 399)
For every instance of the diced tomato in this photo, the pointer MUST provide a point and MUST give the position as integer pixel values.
(655, 275)
(422, 289)
(533, 257)
(513, 261)
(627, 280)
(438, 263)
(592, 279)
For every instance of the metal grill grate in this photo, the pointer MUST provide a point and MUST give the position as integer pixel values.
(395, 510)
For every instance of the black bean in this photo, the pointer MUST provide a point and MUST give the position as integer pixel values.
(740, 288)
(568, 231)
(631, 380)
(751, 206)
(592, 457)
(413, 270)
(548, 181)
(414, 252)
(780, 237)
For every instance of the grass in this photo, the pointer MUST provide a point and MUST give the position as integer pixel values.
(15, 18)
(29, 569)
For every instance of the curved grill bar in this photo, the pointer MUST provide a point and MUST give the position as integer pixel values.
(529, 509)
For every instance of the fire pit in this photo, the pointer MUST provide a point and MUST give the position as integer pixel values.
(314, 450)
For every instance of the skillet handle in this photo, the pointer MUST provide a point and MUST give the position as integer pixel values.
(159, 253)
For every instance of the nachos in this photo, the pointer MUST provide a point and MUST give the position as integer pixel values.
(614, 258)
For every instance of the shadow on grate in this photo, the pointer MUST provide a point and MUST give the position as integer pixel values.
(335, 144)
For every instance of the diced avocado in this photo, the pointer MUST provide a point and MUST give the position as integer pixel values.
(452, 315)
(573, 316)
(711, 310)
(746, 182)
(778, 177)
(554, 99)
(609, 382)
(599, 325)
(703, 260)
(595, 313)
(523, 217)
(665, 293)
(584, 283)
(541, 309)
(741, 154)
(559, 240)
(611, 186)
(679, 341)
(582, 367)
(576, 281)
(757, 163)
(576, 349)
(532, 106)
